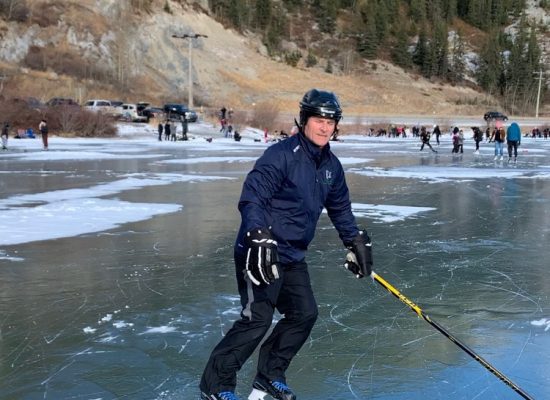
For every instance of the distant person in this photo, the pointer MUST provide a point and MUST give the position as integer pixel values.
(455, 139)
(173, 132)
(222, 117)
(5, 135)
(184, 128)
(425, 138)
(167, 130)
(43, 128)
(498, 137)
(513, 138)
(478, 137)
(461, 141)
(160, 129)
(437, 133)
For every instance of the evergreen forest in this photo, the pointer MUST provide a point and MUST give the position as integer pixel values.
(427, 37)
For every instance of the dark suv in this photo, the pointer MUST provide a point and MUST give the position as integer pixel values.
(494, 115)
(61, 101)
(180, 110)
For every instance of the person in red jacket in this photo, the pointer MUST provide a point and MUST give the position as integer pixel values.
(281, 201)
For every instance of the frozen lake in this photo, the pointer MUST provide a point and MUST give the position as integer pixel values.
(116, 272)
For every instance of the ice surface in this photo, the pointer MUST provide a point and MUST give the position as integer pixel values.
(133, 308)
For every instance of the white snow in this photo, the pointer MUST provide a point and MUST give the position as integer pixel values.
(543, 322)
(437, 174)
(73, 212)
(159, 329)
(387, 213)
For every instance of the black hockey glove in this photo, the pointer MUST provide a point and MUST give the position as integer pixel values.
(262, 257)
(359, 258)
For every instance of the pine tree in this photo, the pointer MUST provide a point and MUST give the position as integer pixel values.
(326, 15)
(263, 14)
(417, 10)
(367, 44)
(490, 69)
(328, 68)
(420, 54)
(440, 49)
(458, 66)
(400, 52)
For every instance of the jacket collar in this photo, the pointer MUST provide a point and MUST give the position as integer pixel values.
(314, 152)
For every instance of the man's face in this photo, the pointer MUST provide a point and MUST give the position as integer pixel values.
(319, 130)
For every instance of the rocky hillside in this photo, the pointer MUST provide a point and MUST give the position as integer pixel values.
(116, 50)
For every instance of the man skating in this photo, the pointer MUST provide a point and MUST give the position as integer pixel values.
(280, 204)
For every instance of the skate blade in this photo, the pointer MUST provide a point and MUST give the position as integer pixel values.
(258, 395)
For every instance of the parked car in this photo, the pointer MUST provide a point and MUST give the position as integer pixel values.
(152, 112)
(494, 115)
(179, 110)
(99, 105)
(61, 101)
(130, 113)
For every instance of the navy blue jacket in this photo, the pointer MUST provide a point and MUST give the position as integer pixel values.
(287, 190)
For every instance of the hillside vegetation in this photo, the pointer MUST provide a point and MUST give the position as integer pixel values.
(380, 56)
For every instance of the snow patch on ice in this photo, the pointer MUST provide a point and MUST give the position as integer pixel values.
(435, 174)
(122, 324)
(72, 212)
(106, 318)
(385, 212)
(201, 160)
(159, 329)
(543, 322)
(353, 160)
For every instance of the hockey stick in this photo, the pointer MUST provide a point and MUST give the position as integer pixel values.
(449, 336)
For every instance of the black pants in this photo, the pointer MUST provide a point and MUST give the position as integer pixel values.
(293, 297)
(429, 145)
(512, 144)
(477, 144)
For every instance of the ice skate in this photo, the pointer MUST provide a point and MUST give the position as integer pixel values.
(258, 395)
(263, 390)
(219, 396)
(496, 158)
(501, 158)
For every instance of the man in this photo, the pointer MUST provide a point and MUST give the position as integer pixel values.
(5, 135)
(425, 138)
(498, 137)
(513, 138)
(281, 201)
(478, 137)
(43, 128)
(437, 133)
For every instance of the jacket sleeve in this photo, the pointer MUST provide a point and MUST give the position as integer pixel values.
(338, 207)
(261, 183)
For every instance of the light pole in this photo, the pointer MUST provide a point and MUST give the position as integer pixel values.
(538, 93)
(190, 83)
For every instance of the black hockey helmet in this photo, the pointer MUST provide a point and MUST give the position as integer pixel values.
(319, 103)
